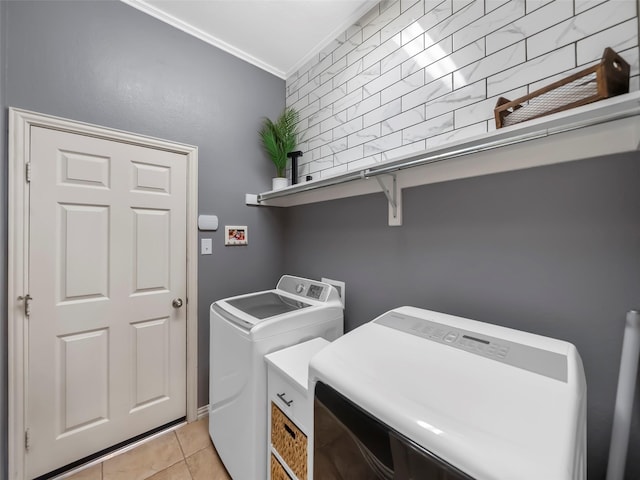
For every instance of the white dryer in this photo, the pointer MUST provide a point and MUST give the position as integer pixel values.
(244, 329)
(421, 394)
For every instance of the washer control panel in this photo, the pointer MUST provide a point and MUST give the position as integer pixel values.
(544, 362)
(306, 288)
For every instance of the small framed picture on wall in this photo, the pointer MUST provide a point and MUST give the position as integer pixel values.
(236, 235)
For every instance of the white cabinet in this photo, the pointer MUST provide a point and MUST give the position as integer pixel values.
(290, 410)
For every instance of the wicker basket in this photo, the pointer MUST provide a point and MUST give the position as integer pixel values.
(606, 79)
(277, 471)
(289, 441)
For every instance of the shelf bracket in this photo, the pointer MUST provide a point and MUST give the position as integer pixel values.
(394, 197)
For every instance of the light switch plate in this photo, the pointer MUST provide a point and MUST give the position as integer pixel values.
(206, 246)
(236, 235)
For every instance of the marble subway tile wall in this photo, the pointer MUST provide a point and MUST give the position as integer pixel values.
(412, 75)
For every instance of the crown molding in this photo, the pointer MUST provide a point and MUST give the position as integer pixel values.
(205, 37)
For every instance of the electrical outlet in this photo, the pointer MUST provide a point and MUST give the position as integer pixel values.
(339, 286)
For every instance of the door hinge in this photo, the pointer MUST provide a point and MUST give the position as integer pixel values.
(28, 172)
(27, 303)
(27, 444)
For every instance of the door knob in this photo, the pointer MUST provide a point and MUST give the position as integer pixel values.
(177, 302)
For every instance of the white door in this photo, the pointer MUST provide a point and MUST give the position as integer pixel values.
(107, 256)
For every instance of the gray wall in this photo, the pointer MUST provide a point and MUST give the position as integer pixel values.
(109, 64)
(552, 250)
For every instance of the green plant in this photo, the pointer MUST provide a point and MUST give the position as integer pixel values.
(280, 137)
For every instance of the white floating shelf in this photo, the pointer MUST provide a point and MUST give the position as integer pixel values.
(603, 128)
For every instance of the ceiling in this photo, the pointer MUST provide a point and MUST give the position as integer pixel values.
(278, 36)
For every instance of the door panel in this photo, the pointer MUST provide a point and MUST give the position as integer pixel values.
(151, 178)
(150, 380)
(83, 169)
(83, 237)
(107, 254)
(151, 250)
(83, 369)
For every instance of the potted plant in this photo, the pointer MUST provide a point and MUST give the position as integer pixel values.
(278, 139)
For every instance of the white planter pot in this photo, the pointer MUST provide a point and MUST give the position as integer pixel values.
(279, 183)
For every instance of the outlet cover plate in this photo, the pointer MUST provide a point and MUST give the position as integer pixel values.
(340, 286)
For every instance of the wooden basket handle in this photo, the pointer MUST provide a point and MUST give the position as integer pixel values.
(503, 101)
(616, 61)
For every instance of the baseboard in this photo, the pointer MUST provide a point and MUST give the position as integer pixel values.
(203, 411)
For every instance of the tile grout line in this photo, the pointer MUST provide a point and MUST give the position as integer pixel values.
(184, 457)
(173, 464)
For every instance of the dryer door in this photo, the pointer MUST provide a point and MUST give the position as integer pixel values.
(350, 444)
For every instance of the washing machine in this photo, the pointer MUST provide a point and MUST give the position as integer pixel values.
(242, 330)
(421, 394)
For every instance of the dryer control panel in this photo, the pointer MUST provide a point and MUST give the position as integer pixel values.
(544, 362)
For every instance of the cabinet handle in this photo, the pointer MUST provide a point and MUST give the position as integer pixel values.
(290, 431)
(287, 402)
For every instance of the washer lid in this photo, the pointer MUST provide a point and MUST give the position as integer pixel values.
(266, 304)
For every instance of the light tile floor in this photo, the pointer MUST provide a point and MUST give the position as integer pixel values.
(183, 454)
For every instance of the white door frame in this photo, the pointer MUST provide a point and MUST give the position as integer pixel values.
(20, 123)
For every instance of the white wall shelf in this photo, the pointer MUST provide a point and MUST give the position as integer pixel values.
(603, 128)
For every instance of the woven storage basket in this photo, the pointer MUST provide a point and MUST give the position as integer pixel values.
(289, 441)
(277, 471)
(606, 79)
